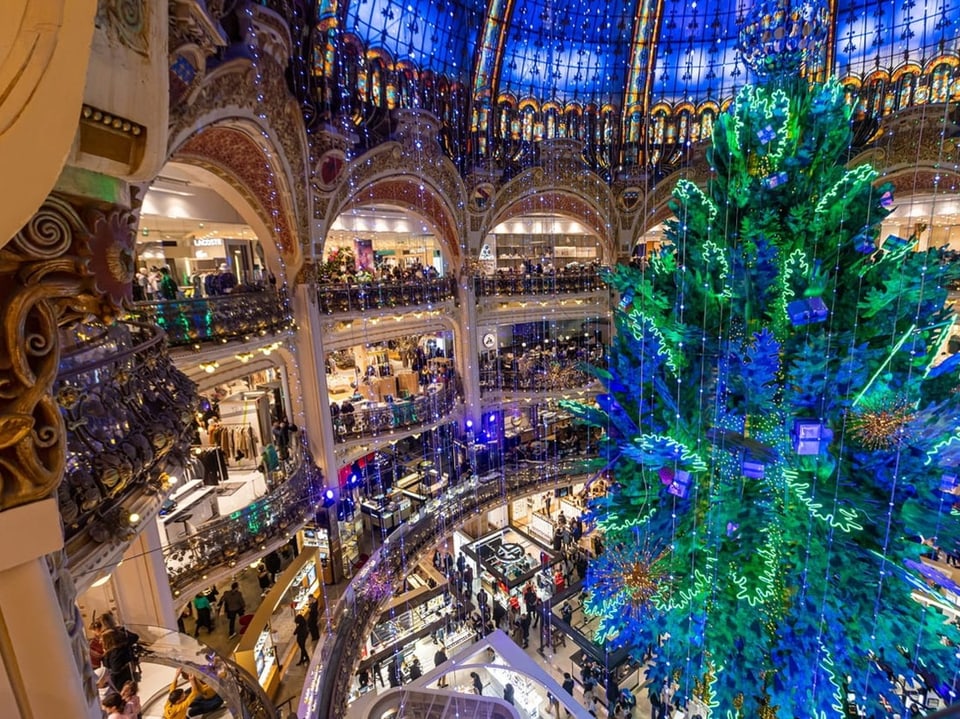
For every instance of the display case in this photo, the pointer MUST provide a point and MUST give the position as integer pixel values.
(525, 695)
(541, 526)
(274, 617)
(400, 627)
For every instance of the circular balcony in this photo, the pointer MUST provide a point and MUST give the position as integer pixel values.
(195, 321)
(564, 282)
(378, 419)
(342, 297)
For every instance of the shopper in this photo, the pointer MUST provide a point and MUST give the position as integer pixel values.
(130, 692)
(204, 615)
(416, 671)
(395, 671)
(477, 683)
(273, 564)
(179, 700)
(301, 632)
(363, 676)
(439, 657)
(168, 288)
(263, 577)
(313, 618)
(378, 672)
(233, 603)
(568, 685)
(112, 704)
(118, 660)
(508, 694)
(206, 700)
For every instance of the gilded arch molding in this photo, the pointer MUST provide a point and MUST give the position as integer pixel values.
(410, 172)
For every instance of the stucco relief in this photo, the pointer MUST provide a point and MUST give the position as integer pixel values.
(127, 22)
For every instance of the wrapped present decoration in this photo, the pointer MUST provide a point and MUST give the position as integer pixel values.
(752, 468)
(864, 243)
(626, 300)
(775, 180)
(808, 434)
(807, 311)
(766, 135)
(894, 243)
(680, 485)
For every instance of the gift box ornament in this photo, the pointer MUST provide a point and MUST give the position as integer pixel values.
(775, 180)
(807, 311)
(680, 484)
(895, 244)
(752, 468)
(766, 135)
(809, 435)
(863, 242)
(948, 483)
(626, 300)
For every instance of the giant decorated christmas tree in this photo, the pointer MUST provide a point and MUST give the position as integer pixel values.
(782, 436)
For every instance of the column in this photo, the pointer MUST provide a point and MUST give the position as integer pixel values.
(469, 349)
(316, 403)
(68, 262)
(140, 582)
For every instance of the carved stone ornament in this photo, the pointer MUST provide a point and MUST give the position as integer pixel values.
(126, 21)
(72, 620)
(57, 269)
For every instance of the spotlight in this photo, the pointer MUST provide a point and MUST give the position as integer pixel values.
(328, 494)
(134, 518)
(469, 424)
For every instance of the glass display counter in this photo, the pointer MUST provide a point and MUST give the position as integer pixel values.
(259, 651)
(526, 695)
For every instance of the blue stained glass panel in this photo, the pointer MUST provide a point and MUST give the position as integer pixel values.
(439, 35)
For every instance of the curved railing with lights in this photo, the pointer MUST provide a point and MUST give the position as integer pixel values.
(564, 282)
(127, 411)
(377, 295)
(329, 676)
(385, 418)
(240, 316)
(240, 691)
(546, 375)
(229, 540)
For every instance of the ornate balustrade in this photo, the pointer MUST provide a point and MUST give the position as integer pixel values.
(240, 316)
(227, 540)
(378, 295)
(548, 376)
(384, 418)
(331, 672)
(127, 412)
(533, 284)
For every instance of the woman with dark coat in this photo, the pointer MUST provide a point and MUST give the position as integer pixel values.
(301, 632)
(313, 619)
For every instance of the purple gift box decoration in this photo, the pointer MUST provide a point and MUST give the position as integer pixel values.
(773, 181)
(807, 311)
(680, 484)
(808, 435)
(752, 468)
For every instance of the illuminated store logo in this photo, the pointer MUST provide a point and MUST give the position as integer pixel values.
(207, 242)
(510, 553)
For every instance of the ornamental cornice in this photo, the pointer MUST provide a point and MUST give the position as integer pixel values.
(228, 94)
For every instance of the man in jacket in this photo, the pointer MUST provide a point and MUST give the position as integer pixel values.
(232, 602)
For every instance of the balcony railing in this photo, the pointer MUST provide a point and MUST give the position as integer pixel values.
(376, 419)
(327, 692)
(127, 411)
(587, 280)
(553, 377)
(228, 539)
(240, 316)
(378, 295)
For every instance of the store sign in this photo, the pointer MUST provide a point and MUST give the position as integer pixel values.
(510, 553)
(207, 242)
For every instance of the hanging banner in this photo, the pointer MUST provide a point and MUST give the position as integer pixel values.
(363, 250)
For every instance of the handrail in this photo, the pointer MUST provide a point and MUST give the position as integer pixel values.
(419, 410)
(329, 675)
(383, 294)
(537, 284)
(227, 539)
(240, 691)
(555, 376)
(241, 315)
(109, 345)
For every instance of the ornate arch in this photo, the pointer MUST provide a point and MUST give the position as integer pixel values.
(410, 172)
(250, 105)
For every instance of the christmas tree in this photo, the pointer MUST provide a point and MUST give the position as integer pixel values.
(781, 436)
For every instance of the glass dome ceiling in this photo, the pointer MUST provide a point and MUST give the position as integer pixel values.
(621, 52)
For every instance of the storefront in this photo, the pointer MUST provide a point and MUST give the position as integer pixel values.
(508, 560)
(267, 644)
